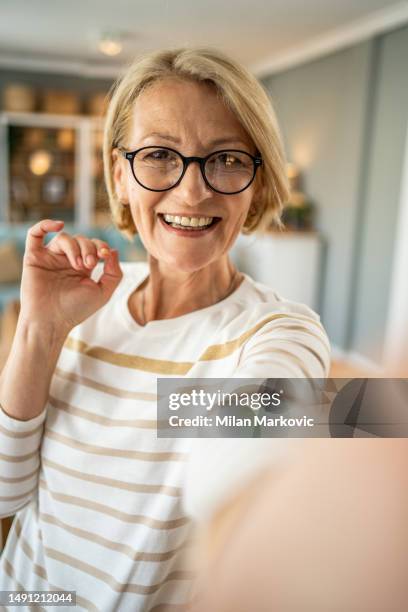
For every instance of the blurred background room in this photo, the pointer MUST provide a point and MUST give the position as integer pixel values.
(337, 75)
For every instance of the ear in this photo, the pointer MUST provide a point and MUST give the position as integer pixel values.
(258, 189)
(119, 177)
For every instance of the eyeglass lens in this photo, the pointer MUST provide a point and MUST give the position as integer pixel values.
(159, 168)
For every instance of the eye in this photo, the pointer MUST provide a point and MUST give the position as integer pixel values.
(228, 160)
(159, 154)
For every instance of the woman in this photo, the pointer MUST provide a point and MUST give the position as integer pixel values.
(192, 158)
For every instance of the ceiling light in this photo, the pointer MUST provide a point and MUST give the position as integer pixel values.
(110, 44)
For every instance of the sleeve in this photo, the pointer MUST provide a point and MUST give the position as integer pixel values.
(219, 468)
(20, 443)
(290, 345)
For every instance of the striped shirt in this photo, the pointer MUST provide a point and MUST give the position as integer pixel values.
(97, 496)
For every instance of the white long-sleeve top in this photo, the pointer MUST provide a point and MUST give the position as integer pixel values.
(97, 496)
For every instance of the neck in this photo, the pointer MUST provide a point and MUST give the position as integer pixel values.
(169, 293)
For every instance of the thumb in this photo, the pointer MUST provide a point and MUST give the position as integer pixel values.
(112, 274)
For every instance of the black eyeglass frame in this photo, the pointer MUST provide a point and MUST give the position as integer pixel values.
(130, 155)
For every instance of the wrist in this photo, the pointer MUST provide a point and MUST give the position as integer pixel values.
(46, 333)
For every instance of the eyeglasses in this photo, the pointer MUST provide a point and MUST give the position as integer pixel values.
(227, 171)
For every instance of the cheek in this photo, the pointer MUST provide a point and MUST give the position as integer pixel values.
(143, 203)
(238, 209)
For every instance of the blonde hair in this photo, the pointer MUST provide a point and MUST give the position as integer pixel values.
(243, 95)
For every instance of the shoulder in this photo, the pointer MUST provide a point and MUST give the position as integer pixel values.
(282, 331)
(263, 306)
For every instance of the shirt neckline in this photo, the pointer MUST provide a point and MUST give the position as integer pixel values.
(170, 324)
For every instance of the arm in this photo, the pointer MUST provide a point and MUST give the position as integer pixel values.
(24, 386)
(57, 294)
(26, 376)
(329, 531)
(291, 347)
(323, 522)
(294, 346)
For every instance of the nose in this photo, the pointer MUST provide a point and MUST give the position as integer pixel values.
(193, 189)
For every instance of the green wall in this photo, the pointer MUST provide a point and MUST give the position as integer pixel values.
(343, 119)
(385, 155)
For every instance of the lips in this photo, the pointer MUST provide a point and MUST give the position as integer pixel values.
(186, 231)
(189, 215)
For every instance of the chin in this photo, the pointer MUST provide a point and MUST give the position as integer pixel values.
(188, 262)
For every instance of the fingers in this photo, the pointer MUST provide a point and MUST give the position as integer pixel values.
(64, 244)
(103, 248)
(90, 251)
(82, 252)
(36, 233)
(112, 274)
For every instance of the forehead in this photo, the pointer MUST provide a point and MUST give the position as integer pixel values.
(187, 110)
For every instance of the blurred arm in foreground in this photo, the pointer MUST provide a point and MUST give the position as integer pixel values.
(324, 532)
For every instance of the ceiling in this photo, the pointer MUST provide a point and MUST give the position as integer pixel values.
(259, 33)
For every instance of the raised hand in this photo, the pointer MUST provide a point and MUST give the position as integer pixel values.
(56, 286)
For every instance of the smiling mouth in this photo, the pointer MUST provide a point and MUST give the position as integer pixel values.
(194, 222)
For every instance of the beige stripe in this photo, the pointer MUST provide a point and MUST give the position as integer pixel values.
(111, 482)
(20, 458)
(128, 361)
(87, 382)
(216, 351)
(19, 478)
(20, 434)
(116, 546)
(21, 496)
(101, 420)
(303, 330)
(122, 516)
(40, 571)
(219, 351)
(11, 574)
(119, 587)
(114, 452)
(294, 358)
(312, 351)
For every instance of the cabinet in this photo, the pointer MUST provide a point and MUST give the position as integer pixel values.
(289, 262)
(51, 166)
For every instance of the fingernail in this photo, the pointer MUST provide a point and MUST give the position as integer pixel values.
(104, 251)
(90, 260)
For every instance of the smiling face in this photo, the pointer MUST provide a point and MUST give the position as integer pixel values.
(190, 118)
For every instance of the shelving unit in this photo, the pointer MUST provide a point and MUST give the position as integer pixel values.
(77, 171)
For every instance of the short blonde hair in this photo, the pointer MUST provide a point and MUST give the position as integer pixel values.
(243, 95)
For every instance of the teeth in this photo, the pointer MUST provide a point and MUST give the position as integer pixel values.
(188, 221)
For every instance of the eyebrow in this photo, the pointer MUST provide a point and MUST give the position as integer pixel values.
(212, 143)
